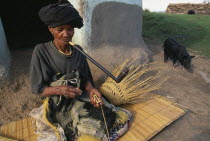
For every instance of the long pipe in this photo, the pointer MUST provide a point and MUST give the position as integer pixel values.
(120, 76)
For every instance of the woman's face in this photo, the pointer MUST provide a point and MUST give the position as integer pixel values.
(62, 34)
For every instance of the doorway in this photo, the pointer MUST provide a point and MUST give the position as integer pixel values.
(22, 25)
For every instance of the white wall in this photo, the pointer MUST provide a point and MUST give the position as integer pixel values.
(4, 53)
(161, 5)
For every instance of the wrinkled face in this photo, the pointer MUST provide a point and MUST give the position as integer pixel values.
(62, 34)
(186, 62)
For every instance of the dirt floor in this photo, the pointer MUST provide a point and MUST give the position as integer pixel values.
(187, 89)
(16, 100)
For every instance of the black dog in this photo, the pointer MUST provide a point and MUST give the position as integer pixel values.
(175, 51)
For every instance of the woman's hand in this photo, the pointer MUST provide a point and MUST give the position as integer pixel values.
(95, 92)
(69, 91)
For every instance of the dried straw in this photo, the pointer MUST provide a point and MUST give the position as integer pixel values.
(134, 87)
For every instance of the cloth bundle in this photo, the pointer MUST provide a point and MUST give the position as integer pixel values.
(73, 119)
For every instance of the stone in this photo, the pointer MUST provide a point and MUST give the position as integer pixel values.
(202, 9)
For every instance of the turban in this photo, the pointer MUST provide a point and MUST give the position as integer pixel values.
(58, 14)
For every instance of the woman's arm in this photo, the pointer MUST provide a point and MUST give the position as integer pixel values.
(71, 92)
(93, 91)
(67, 91)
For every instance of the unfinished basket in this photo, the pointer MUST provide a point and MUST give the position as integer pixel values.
(134, 87)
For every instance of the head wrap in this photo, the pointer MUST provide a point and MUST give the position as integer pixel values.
(61, 13)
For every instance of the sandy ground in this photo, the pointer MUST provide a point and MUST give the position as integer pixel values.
(184, 88)
(189, 90)
(16, 100)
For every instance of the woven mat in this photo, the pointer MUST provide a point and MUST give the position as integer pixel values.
(150, 117)
(22, 130)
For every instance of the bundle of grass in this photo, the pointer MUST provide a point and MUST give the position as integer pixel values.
(135, 87)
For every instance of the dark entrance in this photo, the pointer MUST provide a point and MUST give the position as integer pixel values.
(21, 22)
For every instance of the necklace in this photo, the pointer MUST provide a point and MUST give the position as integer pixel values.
(70, 50)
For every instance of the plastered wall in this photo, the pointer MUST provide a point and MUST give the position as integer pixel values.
(86, 8)
(4, 53)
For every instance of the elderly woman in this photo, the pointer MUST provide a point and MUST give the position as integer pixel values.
(61, 73)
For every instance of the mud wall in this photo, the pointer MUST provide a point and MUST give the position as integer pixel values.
(4, 54)
(202, 9)
(86, 9)
(120, 27)
(112, 32)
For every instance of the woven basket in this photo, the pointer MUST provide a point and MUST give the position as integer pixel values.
(134, 87)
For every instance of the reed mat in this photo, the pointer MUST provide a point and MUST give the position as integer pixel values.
(21, 130)
(150, 117)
